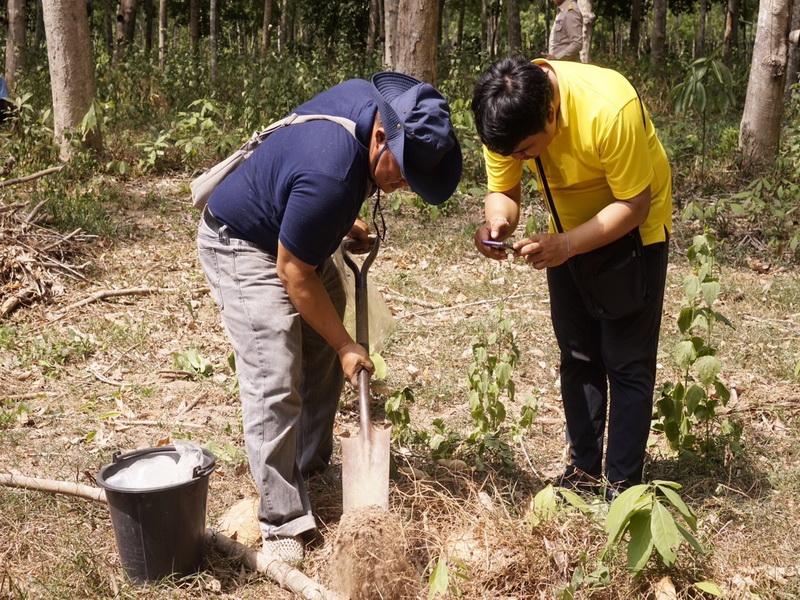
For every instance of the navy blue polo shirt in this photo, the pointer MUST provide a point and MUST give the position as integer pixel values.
(305, 184)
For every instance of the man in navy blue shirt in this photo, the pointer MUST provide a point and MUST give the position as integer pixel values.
(265, 243)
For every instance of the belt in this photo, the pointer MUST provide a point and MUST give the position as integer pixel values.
(214, 224)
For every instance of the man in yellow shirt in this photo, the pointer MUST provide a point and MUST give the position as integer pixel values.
(609, 178)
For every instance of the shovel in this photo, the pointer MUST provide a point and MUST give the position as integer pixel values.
(365, 457)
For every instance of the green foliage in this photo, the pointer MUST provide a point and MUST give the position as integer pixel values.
(598, 578)
(707, 89)
(51, 353)
(190, 361)
(443, 580)
(396, 410)
(549, 502)
(691, 402)
(84, 207)
(12, 412)
(646, 513)
(490, 382)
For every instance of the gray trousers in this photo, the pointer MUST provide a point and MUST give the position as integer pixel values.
(289, 377)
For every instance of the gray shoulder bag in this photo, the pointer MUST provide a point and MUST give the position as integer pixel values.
(204, 184)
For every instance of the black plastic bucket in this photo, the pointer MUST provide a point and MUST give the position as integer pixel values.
(159, 531)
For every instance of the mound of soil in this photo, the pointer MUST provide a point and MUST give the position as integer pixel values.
(369, 557)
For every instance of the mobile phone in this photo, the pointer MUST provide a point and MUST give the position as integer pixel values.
(498, 244)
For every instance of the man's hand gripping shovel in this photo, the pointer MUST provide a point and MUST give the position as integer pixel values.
(365, 457)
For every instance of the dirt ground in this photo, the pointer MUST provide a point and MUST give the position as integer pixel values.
(76, 386)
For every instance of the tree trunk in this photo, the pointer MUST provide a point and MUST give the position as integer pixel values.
(731, 31)
(390, 8)
(266, 28)
(416, 38)
(462, 7)
(284, 33)
(440, 23)
(759, 133)
(213, 17)
(658, 38)
(514, 27)
(69, 53)
(162, 34)
(585, 6)
(38, 36)
(636, 25)
(793, 62)
(15, 41)
(108, 25)
(372, 26)
(149, 18)
(127, 21)
(700, 40)
(194, 25)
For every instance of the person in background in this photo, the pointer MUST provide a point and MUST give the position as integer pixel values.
(566, 35)
(6, 105)
(265, 243)
(609, 177)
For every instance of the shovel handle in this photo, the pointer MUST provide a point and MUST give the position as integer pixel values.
(360, 275)
(363, 401)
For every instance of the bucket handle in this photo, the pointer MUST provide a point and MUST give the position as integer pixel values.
(199, 471)
(118, 456)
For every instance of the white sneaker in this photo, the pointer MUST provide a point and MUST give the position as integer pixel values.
(284, 547)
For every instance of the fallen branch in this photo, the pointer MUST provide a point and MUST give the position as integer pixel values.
(157, 423)
(13, 301)
(141, 291)
(476, 303)
(51, 485)
(406, 300)
(31, 177)
(280, 572)
(60, 241)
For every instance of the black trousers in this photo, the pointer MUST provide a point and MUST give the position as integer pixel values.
(598, 356)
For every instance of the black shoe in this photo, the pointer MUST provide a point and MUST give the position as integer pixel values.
(612, 490)
(577, 480)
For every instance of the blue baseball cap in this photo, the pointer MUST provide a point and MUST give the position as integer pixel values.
(420, 135)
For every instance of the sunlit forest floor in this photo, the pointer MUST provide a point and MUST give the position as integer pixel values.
(79, 385)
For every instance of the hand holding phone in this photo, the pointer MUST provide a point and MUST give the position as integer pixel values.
(498, 244)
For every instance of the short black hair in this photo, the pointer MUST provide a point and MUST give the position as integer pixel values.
(510, 102)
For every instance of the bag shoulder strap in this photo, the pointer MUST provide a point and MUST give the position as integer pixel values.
(259, 136)
(551, 205)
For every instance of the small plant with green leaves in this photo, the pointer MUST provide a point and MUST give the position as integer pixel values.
(193, 363)
(551, 501)
(691, 403)
(440, 441)
(444, 579)
(490, 383)
(643, 517)
(707, 89)
(52, 353)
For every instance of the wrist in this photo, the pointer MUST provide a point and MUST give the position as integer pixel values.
(568, 244)
(343, 346)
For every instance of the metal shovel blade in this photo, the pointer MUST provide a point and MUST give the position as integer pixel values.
(365, 468)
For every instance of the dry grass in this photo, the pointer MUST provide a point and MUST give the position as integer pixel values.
(74, 390)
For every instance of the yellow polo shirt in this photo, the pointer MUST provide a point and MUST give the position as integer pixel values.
(601, 152)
